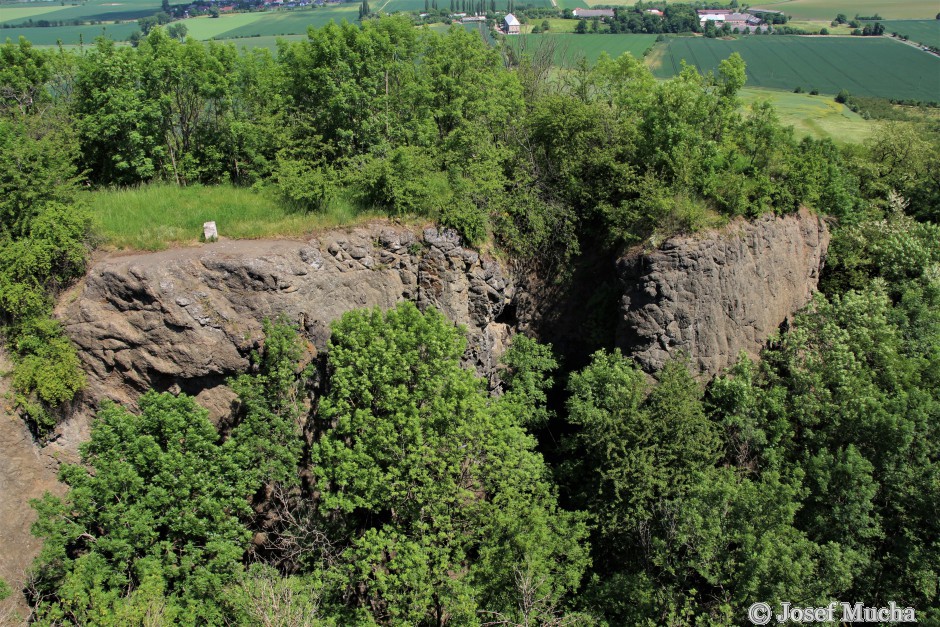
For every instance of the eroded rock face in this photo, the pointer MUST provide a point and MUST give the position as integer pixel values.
(715, 295)
(186, 319)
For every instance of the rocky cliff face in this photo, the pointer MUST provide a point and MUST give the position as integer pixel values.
(715, 295)
(188, 318)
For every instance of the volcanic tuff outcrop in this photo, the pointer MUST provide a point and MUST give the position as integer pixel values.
(188, 318)
(715, 295)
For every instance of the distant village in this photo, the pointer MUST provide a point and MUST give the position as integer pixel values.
(725, 20)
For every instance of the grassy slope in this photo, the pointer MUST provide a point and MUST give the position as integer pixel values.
(814, 116)
(827, 9)
(865, 66)
(153, 217)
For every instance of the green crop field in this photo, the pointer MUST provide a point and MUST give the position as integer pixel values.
(266, 41)
(572, 4)
(19, 13)
(70, 35)
(828, 9)
(569, 49)
(92, 10)
(294, 22)
(922, 31)
(391, 6)
(869, 66)
(206, 27)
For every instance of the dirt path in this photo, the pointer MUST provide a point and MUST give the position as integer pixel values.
(24, 474)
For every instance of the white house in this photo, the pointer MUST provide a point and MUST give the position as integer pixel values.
(511, 25)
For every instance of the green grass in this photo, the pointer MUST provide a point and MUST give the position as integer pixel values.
(869, 66)
(828, 9)
(557, 25)
(920, 31)
(157, 216)
(569, 49)
(814, 26)
(814, 116)
(69, 35)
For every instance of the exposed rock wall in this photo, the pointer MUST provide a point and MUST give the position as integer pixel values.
(189, 318)
(719, 293)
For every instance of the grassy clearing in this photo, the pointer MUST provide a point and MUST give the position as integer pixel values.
(814, 116)
(828, 9)
(570, 49)
(158, 216)
(558, 25)
(815, 26)
(869, 66)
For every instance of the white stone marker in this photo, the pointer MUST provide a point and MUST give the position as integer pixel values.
(210, 232)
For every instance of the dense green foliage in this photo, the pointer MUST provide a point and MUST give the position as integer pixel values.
(427, 502)
(42, 229)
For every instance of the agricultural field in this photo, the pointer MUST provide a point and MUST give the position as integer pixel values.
(572, 4)
(70, 35)
(570, 49)
(828, 9)
(92, 10)
(865, 66)
(920, 31)
(392, 6)
(293, 22)
(818, 117)
(19, 13)
(266, 41)
(205, 27)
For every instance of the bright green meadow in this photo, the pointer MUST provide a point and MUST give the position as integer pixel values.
(813, 116)
(870, 66)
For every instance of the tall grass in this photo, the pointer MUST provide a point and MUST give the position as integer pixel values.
(161, 215)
